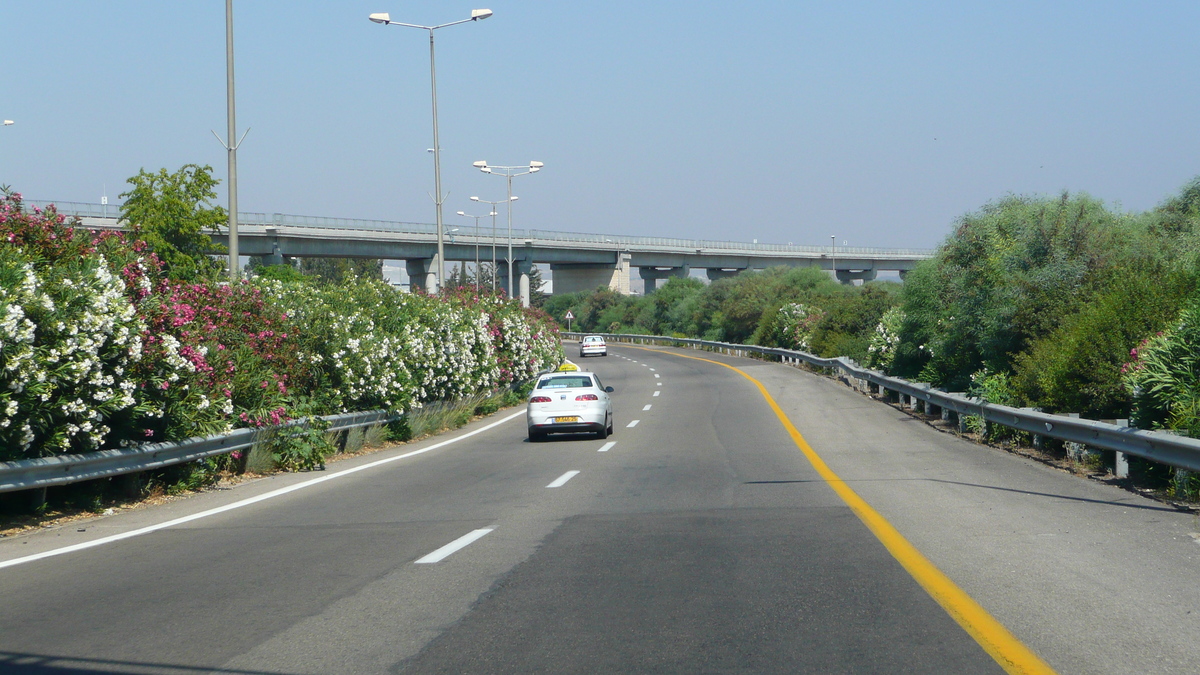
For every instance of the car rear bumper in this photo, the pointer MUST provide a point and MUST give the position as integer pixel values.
(567, 428)
(543, 423)
(593, 351)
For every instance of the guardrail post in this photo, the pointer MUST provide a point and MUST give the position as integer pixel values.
(1038, 440)
(37, 499)
(1075, 451)
(1120, 461)
(130, 484)
(931, 409)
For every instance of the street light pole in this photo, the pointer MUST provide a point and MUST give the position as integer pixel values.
(385, 19)
(509, 172)
(833, 254)
(231, 146)
(493, 214)
(467, 215)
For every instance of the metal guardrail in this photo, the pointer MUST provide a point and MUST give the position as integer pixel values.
(49, 471)
(542, 237)
(1177, 451)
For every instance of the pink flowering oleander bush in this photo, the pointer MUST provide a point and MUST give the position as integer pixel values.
(218, 356)
(99, 349)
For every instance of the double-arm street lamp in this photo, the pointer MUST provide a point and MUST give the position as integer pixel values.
(509, 172)
(493, 214)
(385, 19)
(464, 214)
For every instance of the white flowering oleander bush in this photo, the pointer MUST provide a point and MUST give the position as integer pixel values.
(795, 323)
(99, 349)
(375, 347)
(69, 337)
(881, 351)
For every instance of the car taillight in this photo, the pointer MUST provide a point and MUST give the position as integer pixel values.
(540, 399)
(587, 397)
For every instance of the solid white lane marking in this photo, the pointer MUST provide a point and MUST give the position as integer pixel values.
(647, 406)
(657, 392)
(562, 480)
(607, 446)
(445, 551)
(247, 502)
(632, 424)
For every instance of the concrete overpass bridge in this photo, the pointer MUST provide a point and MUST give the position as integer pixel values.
(578, 261)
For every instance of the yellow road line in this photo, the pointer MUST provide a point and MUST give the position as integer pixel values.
(996, 640)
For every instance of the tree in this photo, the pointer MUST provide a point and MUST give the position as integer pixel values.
(336, 270)
(171, 213)
(537, 297)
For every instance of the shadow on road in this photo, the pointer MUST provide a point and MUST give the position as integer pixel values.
(1107, 502)
(18, 663)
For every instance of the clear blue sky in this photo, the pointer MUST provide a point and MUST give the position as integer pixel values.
(878, 122)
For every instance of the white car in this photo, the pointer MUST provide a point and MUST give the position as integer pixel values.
(569, 402)
(592, 345)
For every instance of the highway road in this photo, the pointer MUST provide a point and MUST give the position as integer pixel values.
(744, 518)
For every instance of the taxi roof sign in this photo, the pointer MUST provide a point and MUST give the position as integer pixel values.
(567, 366)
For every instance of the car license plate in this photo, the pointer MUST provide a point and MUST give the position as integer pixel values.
(560, 420)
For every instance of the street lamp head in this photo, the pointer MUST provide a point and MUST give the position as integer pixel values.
(474, 199)
(512, 198)
(462, 213)
(477, 14)
(536, 165)
(381, 17)
(480, 164)
(8, 123)
(493, 213)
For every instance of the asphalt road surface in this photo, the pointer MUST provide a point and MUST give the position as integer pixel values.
(702, 537)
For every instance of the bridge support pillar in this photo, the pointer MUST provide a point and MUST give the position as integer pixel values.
(651, 275)
(524, 267)
(421, 274)
(716, 273)
(521, 269)
(575, 277)
(850, 276)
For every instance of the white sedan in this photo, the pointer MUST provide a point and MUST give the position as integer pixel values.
(593, 345)
(569, 402)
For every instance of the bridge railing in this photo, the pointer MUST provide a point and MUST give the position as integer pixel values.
(484, 233)
(1177, 451)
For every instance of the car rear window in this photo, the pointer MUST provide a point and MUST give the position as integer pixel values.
(565, 382)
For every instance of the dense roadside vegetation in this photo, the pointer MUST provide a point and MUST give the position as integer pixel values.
(110, 339)
(1061, 303)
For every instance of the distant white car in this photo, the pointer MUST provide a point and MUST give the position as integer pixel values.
(569, 402)
(593, 345)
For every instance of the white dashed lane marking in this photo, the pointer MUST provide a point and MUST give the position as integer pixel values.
(445, 551)
(607, 446)
(562, 480)
(647, 406)
(632, 424)
(656, 393)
